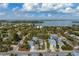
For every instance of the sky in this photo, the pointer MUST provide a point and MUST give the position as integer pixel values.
(19, 11)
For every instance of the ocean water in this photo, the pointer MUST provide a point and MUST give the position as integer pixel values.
(55, 23)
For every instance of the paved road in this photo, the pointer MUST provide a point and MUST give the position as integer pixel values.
(25, 53)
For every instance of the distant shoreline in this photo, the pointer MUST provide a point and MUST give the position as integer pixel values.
(33, 21)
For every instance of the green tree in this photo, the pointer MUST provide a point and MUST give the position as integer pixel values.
(26, 45)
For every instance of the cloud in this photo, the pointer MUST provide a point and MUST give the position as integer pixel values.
(39, 10)
(3, 9)
(44, 6)
(77, 10)
(15, 10)
(68, 10)
(3, 5)
(30, 6)
(2, 14)
(29, 9)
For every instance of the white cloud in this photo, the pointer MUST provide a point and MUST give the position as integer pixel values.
(77, 10)
(2, 14)
(4, 5)
(68, 10)
(36, 7)
(45, 6)
(59, 7)
(15, 10)
(54, 6)
(30, 6)
(68, 4)
(27, 6)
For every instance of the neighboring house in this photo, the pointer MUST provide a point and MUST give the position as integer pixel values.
(38, 26)
(60, 42)
(33, 49)
(52, 42)
(32, 44)
(37, 43)
(41, 42)
(75, 53)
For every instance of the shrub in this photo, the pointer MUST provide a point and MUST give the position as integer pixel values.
(67, 47)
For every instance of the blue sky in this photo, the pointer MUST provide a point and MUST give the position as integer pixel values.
(39, 11)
